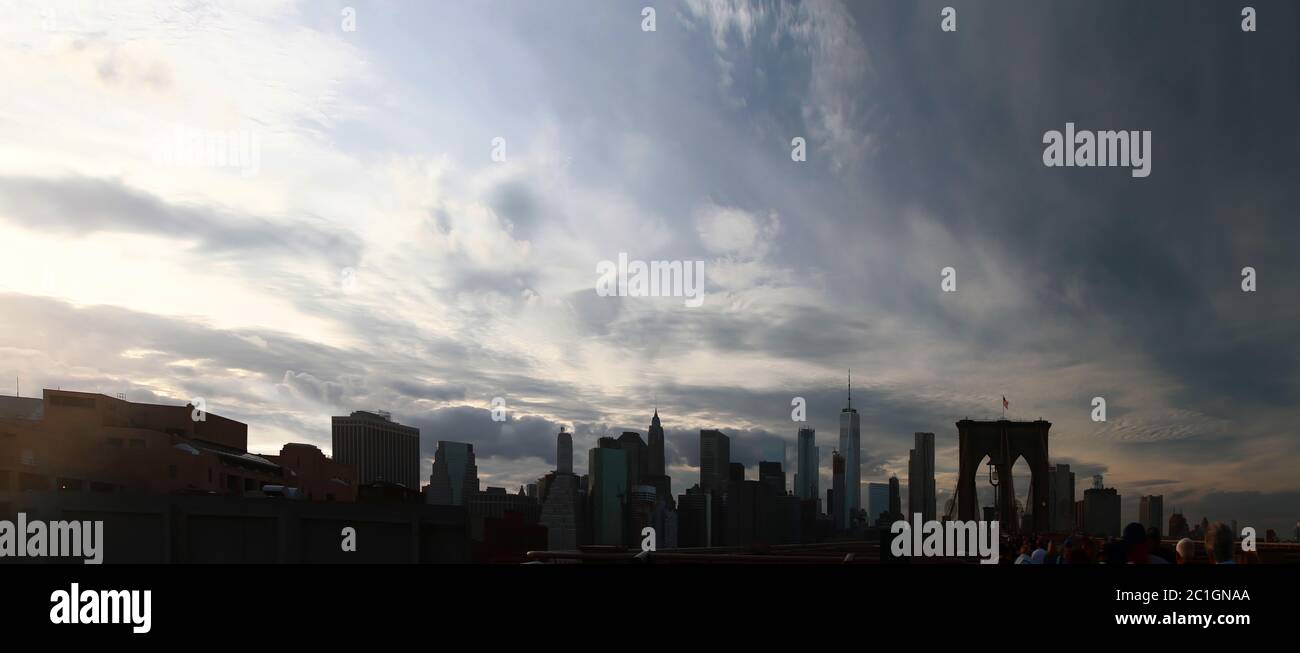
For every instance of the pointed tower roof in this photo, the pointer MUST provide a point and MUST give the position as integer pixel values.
(848, 408)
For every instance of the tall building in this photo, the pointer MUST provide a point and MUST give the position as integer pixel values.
(715, 461)
(735, 472)
(655, 446)
(697, 518)
(665, 522)
(772, 476)
(564, 452)
(1177, 526)
(895, 499)
(877, 501)
(655, 468)
(839, 514)
(607, 492)
(379, 448)
(1101, 511)
(806, 479)
(741, 512)
(561, 498)
(560, 512)
(920, 478)
(1151, 511)
(637, 458)
(640, 513)
(454, 479)
(1060, 486)
(851, 451)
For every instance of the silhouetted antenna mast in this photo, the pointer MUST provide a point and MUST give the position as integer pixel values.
(850, 390)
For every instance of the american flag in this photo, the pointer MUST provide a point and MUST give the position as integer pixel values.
(1005, 405)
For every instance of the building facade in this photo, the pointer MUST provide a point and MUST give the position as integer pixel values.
(806, 477)
(1060, 484)
(1101, 508)
(607, 492)
(715, 461)
(454, 479)
(895, 499)
(88, 442)
(839, 514)
(920, 478)
(851, 451)
(564, 452)
(877, 501)
(379, 448)
(1151, 512)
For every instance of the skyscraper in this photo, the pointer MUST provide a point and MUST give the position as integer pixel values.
(772, 476)
(560, 513)
(920, 478)
(656, 473)
(696, 518)
(564, 452)
(895, 499)
(454, 478)
(839, 514)
(607, 492)
(1060, 486)
(1151, 511)
(378, 448)
(715, 461)
(1177, 526)
(632, 443)
(560, 498)
(877, 501)
(655, 436)
(806, 481)
(851, 451)
(1101, 511)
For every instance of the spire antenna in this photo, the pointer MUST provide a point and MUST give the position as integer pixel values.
(850, 393)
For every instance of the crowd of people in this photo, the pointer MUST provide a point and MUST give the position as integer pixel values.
(1138, 546)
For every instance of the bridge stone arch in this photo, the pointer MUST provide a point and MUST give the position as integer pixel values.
(1004, 441)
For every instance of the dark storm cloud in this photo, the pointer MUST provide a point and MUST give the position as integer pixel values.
(117, 330)
(527, 437)
(1083, 470)
(925, 151)
(1199, 449)
(428, 391)
(1152, 482)
(81, 206)
(1140, 258)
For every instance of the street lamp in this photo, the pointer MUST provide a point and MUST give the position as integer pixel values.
(993, 480)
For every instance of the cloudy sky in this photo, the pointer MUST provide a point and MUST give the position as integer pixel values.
(364, 250)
